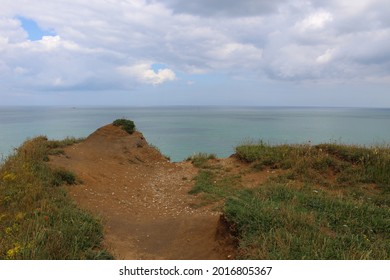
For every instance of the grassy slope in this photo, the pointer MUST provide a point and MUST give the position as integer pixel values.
(330, 202)
(37, 219)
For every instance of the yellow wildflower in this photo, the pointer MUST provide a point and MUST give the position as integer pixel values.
(8, 230)
(20, 216)
(11, 253)
(9, 177)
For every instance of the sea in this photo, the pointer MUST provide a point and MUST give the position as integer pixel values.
(180, 132)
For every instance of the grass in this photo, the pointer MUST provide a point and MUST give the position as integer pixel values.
(314, 164)
(212, 188)
(329, 201)
(38, 220)
(126, 125)
(277, 222)
(200, 159)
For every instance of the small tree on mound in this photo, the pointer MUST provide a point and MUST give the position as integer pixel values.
(126, 125)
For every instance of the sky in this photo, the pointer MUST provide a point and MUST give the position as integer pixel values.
(198, 52)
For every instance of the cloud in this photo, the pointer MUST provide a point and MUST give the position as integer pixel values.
(325, 57)
(145, 74)
(314, 21)
(101, 44)
(225, 8)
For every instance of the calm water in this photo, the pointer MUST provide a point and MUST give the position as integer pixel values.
(182, 131)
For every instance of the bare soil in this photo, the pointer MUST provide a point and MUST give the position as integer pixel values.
(143, 199)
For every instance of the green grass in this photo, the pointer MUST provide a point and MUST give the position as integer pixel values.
(200, 159)
(212, 187)
(329, 201)
(126, 125)
(278, 222)
(37, 218)
(350, 164)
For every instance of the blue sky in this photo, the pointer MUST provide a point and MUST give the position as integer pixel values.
(34, 32)
(200, 52)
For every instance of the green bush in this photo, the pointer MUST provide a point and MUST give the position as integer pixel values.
(126, 125)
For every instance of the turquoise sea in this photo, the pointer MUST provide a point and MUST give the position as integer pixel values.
(182, 131)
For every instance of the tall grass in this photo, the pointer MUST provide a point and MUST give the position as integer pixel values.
(37, 218)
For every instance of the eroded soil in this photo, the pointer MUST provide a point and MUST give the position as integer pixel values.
(143, 199)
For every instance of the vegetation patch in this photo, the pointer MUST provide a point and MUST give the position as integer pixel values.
(62, 176)
(327, 201)
(126, 125)
(38, 220)
(200, 159)
(211, 187)
(278, 222)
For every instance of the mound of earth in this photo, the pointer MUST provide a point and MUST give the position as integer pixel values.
(143, 199)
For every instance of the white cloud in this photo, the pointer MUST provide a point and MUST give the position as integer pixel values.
(145, 74)
(280, 40)
(315, 21)
(325, 57)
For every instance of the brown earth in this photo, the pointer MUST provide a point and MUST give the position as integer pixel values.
(143, 199)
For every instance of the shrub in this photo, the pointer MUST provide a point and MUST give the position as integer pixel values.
(126, 125)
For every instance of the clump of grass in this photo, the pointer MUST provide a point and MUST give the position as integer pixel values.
(38, 220)
(200, 159)
(279, 222)
(62, 176)
(126, 125)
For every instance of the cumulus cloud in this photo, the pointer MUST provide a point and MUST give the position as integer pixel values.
(145, 74)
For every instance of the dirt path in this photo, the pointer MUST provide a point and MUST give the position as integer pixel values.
(143, 199)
